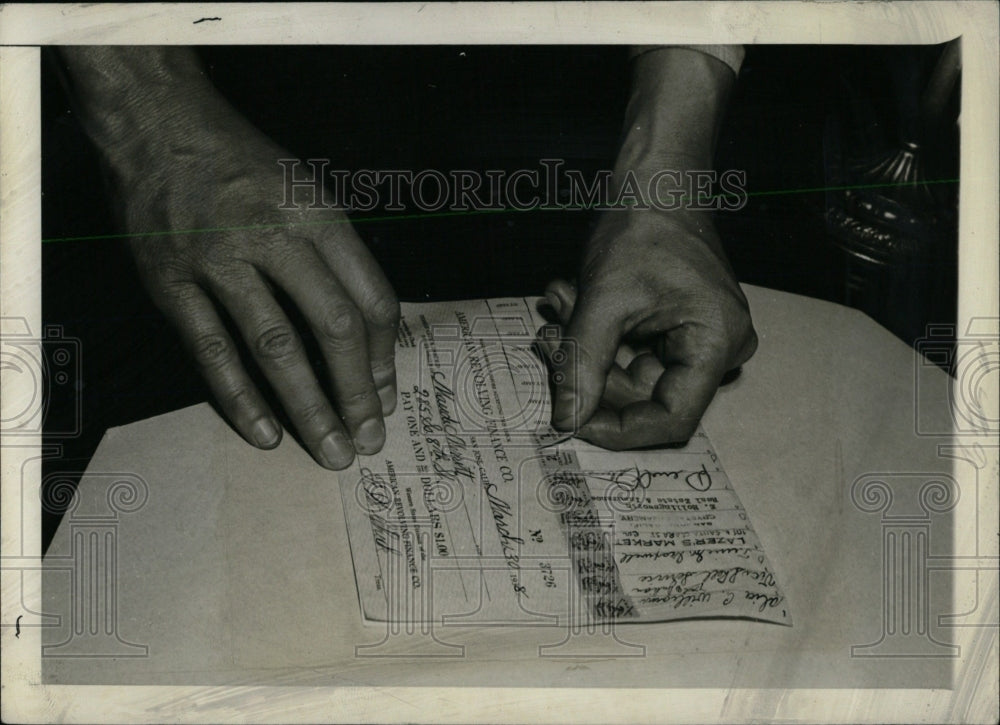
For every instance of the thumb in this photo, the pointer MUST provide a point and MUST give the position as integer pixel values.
(589, 348)
(561, 295)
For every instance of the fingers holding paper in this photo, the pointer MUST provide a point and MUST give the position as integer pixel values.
(657, 322)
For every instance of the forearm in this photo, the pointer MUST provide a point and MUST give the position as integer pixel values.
(144, 105)
(677, 101)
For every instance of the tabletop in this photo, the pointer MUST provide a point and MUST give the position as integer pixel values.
(171, 570)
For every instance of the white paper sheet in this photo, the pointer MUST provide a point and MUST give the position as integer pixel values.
(474, 512)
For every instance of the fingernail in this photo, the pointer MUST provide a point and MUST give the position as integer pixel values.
(554, 301)
(370, 436)
(266, 433)
(388, 397)
(337, 450)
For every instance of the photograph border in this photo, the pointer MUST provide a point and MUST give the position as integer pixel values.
(25, 28)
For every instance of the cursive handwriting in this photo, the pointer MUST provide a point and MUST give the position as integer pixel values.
(696, 554)
(635, 478)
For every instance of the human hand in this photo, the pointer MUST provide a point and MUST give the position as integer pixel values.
(230, 185)
(200, 190)
(658, 320)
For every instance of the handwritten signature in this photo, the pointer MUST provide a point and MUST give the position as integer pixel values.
(377, 491)
(635, 478)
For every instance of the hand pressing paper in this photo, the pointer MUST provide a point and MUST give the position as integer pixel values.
(477, 512)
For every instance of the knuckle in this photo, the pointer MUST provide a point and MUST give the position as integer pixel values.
(280, 254)
(240, 399)
(313, 415)
(682, 430)
(384, 311)
(230, 277)
(749, 347)
(212, 350)
(743, 338)
(172, 275)
(276, 343)
(360, 399)
(173, 296)
(216, 256)
(342, 324)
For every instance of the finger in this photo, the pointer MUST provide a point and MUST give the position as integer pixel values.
(679, 400)
(636, 425)
(645, 370)
(592, 338)
(278, 351)
(562, 296)
(339, 328)
(619, 390)
(634, 382)
(349, 259)
(194, 316)
(686, 388)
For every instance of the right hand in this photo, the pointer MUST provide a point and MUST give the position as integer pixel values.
(660, 283)
(231, 187)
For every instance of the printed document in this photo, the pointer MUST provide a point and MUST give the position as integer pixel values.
(477, 512)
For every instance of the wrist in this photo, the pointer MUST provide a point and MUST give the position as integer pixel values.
(677, 100)
(647, 234)
(145, 107)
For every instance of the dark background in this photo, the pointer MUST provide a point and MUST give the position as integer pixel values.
(482, 107)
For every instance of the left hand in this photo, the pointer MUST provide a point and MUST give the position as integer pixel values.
(659, 282)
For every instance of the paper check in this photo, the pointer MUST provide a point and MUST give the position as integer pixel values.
(475, 513)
